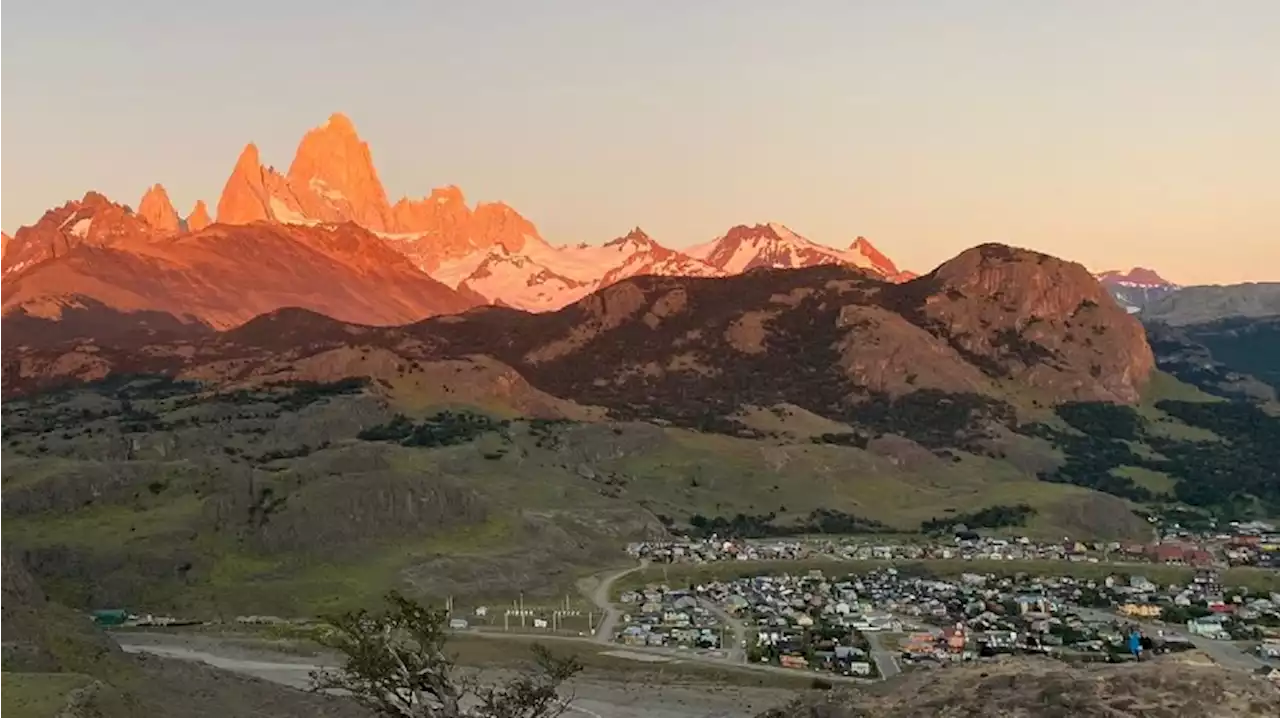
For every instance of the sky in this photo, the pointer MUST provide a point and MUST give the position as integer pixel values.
(1111, 132)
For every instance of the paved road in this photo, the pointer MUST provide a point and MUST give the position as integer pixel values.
(1225, 653)
(734, 646)
(886, 660)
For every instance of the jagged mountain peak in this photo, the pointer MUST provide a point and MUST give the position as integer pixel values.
(199, 218)
(1135, 277)
(158, 211)
(636, 236)
(334, 178)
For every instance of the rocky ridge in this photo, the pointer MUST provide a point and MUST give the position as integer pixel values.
(993, 322)
(97, 253)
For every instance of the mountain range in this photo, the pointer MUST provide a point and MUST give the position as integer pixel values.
(323, 234)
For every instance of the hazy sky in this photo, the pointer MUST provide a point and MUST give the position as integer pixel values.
(1112, 132)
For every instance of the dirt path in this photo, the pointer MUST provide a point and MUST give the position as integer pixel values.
(602, 596)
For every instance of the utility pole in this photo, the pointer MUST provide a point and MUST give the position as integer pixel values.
(522, 609)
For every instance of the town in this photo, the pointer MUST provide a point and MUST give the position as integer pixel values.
(887, 613)
(886, 620)
(1247, 544)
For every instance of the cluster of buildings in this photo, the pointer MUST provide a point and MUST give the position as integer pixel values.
(658, 617)
(1239, 544)
(712, 550)
(810, 620)
(806, 621)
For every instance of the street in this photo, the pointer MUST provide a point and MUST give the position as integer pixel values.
(886, 659)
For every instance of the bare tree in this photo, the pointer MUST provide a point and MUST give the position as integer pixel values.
(396, 666)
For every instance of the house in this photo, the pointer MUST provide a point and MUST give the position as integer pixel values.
(1140, 610)
(1141, 584)
(1167, 553)
(794, 662)
(1208, 626)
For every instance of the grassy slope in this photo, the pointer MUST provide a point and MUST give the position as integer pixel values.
(559, 502)
(38, 695)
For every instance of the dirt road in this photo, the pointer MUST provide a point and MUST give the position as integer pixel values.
(602, 596)
(591, 698)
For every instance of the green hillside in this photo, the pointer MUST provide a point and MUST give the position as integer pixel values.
(298, 499)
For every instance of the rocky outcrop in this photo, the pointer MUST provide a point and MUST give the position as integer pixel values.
(1036, 319)
(334, 179)
(244, 196)
(156, 209)
(199, 217)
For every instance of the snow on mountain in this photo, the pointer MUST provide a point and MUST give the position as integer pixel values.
(541, 277)
(1136, 277)
(490, 249)
(517, 281)
(1136, 288)
(774, 245)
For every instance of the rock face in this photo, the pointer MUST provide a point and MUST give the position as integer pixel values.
(1024, 313)
(333, 177)
(199, 217)
(439, 230)
(158, 211)
(244, 197)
